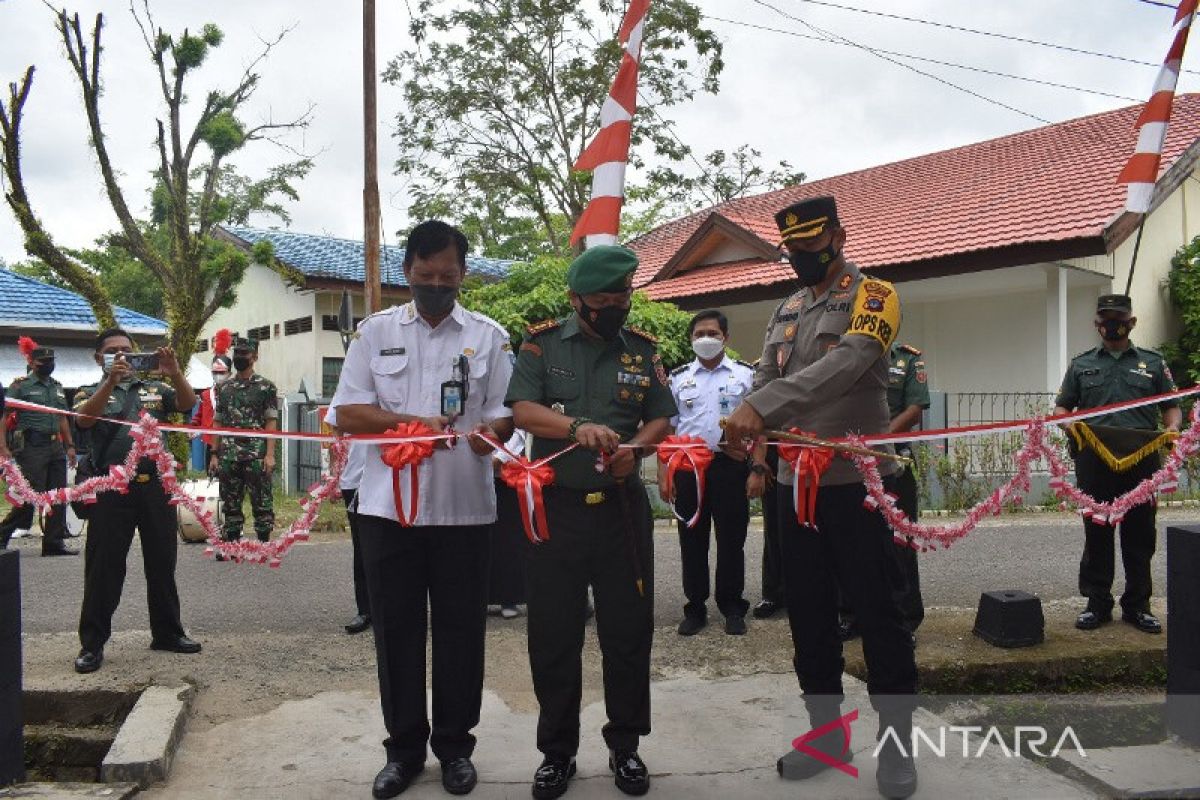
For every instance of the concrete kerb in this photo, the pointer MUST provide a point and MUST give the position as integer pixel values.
(145, 745)
(70, 791)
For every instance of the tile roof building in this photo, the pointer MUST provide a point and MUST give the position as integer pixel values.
(999, 249)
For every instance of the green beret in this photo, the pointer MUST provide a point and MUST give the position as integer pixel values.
(604, 268)
(241, 343)
(40, 353)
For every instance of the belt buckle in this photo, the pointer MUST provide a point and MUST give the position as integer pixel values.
(142, 478)
(593, 498)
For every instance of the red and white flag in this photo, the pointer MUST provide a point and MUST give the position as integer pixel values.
(1141, 171)
(608, 153)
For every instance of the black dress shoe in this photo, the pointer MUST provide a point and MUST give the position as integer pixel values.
(394, 778)
(1090, 620)
(766, 609)
(1144, 621)
(178, 644)
(735, 625)
(631, 774)
(692, 625)
(59, 551)
(847, 631)
(359, 624)
(459, 775)
(553, 777)
(88, 660)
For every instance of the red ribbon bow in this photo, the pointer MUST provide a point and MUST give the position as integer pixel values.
(690, 454)
(808, 463)
(408, 455)
(528, 479)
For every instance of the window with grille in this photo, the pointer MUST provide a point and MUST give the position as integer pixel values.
(298, 325)
(259, 334)
(329, 322)
(331, 370)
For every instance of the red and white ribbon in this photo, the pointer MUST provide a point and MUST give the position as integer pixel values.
(406, 456)
(808, 463)
(1141, 171)
(691, 454)
(608, 153)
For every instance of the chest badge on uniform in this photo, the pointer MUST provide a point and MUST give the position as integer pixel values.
(789, 331)
(900, 363)
(468, 351)
(845, 282)
(794, 303)
(626, 359)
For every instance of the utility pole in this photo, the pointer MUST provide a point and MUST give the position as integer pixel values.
(371, 291)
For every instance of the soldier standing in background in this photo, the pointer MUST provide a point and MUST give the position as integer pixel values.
(43, 447)
(247, 400)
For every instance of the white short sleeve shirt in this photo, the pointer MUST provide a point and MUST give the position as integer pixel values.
(398, 363)
(705, 396)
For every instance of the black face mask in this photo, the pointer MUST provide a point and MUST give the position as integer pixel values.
(44, 370)
(436, 301)
(1114, 330)
(241, 364)
(606, 322)
(811, 268)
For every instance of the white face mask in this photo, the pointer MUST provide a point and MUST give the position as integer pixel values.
(708, 347)
(220, 377)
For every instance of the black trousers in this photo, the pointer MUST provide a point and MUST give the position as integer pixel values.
(726, 508)
(772, 557)
(110, 533)
(507, 584)
(1138, 537)
(362, 604)
(45, 467)
(435, 577)
(851, 548)
(591, 544)
(912, 605)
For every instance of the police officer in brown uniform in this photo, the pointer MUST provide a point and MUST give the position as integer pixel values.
(824, 369)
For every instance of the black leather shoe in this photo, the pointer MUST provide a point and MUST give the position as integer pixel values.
(394, 778)
(631, 774)
(88, 661)
(735, 625)
(692, 625)
(847, 631)
(459, 775)
(1144, 621)
(766, 609)
(553, 777)
(179, 644)
(59, 551)
(359, 624)
(1090, 620)
(895, 774)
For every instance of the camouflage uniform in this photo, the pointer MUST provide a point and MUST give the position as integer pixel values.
(245, 403)
(41, 458)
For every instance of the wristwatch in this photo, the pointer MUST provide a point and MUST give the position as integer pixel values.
(758, 468)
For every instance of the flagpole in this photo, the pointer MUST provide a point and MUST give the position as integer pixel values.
(1137, 243)
(371, 287)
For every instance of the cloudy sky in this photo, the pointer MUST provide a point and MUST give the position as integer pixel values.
(826, 108)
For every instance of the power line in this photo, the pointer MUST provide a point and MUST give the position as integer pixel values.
(994, 34)
(909, 67)
(1156, 3)
(968, 67)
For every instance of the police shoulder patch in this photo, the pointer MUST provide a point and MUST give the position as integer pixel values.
(543, 326)
(649, 337)
(908, 348)
(876, 312)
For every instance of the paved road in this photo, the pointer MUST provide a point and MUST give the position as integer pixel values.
(1035, 552)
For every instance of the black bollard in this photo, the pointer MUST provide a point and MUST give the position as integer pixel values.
(12, 728)
(1183, 632)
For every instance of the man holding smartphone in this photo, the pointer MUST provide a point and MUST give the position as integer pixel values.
(124, 394)
(435, 362)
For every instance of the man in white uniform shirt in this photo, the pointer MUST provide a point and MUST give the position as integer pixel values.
(426, 360)
(705, 391)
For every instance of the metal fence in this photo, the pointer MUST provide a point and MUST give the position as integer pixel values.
(991, 454)
(310, 456)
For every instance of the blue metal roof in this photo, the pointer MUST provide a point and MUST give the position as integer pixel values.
(34, 304)
(342, 259)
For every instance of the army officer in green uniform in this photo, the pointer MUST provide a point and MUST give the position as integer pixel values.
(124, 394)
(43, 447)
(591, 381)
(1116, 370)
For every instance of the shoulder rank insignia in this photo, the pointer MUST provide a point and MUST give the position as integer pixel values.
(908, 348)
(543, 326)
(650, 337)
(680, 370)
(746, 364)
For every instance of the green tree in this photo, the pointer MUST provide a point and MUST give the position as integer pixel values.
(501, 97)
(1183, 282)
(537, 290)
(195, 190)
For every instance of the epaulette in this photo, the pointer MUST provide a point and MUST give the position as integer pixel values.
(18, 379)
(1152, 352)
(649, 337)
(1087, 352)
(680, 369)
(543, 326)
(746, 364)
(908, 348)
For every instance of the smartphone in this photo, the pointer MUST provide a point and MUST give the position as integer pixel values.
(138, 362)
